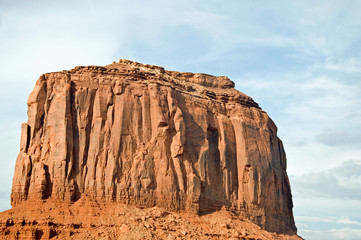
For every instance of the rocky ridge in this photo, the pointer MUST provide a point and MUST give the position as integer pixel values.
(136, 134)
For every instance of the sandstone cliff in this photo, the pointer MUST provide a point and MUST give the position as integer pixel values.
(140, 135)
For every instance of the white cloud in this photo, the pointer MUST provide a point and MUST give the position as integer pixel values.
(349, 65)
(337, 138)
(342, 182)
(316, 217)
(340, 220)
(333, 234)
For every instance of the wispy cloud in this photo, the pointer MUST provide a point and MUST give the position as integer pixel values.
(337, 138)
(333, 234)
(340, 182)
(349, 65)
(339, 220)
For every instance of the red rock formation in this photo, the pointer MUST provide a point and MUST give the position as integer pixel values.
(137, 134)
(87, 219)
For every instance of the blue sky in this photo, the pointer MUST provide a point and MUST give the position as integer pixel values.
(300, 60)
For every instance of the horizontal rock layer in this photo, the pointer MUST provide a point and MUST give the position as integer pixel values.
(140, 135)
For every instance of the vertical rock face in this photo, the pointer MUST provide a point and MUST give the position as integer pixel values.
(140, 135)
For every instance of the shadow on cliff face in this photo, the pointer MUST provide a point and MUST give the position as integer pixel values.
(202, 147)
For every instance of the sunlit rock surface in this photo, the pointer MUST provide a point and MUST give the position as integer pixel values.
(139, 135)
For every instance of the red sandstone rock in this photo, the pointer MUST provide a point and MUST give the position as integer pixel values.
(87, 219)
(140, 135)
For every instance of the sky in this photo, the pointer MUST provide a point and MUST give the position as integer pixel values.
(300, 60)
